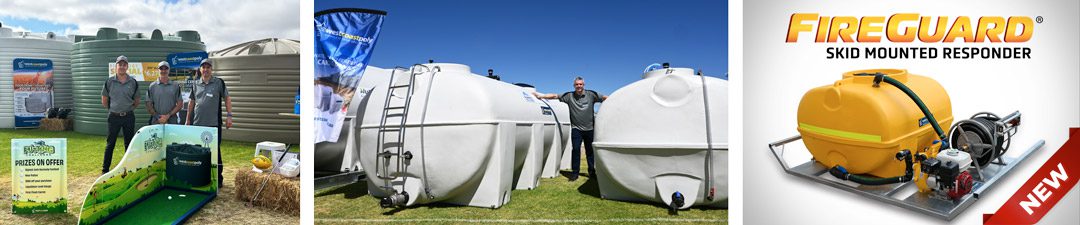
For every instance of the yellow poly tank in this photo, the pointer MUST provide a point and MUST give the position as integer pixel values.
(858, 126)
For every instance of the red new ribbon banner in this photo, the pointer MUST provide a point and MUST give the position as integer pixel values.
(1045, 188)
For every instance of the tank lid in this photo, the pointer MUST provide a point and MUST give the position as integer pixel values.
(268, 46)
(107, 33)
(189, 36)
(668, 71)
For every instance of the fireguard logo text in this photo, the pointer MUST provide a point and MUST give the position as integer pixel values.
(908, 27)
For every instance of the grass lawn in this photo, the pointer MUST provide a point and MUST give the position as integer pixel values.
(555, 200)
(85, 153)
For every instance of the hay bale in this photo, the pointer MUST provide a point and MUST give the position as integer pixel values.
(55, 124)
(281, 194)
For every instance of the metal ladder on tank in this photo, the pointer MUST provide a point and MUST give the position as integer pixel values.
(390, 148)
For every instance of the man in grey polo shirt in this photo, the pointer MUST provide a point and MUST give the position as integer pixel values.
(163, 98)
(206, 97)
(205, 104)
(119, 96)
(581, 104)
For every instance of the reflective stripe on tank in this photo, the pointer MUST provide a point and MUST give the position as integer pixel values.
(840, 133)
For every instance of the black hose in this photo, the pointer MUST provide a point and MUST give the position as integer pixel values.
(842, 173)
(878, 77)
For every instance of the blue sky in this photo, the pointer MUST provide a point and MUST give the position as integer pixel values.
(548, 43)
(36, 25)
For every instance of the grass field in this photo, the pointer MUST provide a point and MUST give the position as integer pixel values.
(556, 200)
(85, 153)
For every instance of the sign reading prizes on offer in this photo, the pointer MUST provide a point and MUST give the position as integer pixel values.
(38, 176)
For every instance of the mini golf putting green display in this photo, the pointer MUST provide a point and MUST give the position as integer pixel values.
(159, 209)
(146, 187)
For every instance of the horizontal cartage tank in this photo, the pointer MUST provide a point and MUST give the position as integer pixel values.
(263, 77)
(90, 67)
(34, 46)
(651, 140)
(858, 126)
(465, 133)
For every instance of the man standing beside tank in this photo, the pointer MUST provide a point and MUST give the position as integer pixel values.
(204, 106)
(163, 98)
(119, 96)
(580, 102)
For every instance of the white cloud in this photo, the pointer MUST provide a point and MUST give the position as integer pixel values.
(220, 23)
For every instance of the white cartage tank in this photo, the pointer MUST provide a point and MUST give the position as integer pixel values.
(464, 135)
(555, 141)
(652, 140)
(37, 46)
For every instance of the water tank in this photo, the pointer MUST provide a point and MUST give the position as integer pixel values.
(90, 67)
(652, 140)
(263, 77)
(468, 139)
(852, 123)
(556, 142)
(39, 46)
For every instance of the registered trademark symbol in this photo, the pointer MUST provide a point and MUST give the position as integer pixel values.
(1038, 19)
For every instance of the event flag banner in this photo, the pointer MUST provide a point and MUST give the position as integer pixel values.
(38, 176)
(344, 41)
(33, 90)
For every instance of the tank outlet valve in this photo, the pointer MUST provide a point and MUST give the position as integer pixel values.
(395, 200)
(677, 201)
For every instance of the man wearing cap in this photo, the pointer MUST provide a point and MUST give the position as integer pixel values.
(119, 96)
(204, 107)
(163, 98)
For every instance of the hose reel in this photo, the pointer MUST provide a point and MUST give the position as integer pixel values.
(986, 136)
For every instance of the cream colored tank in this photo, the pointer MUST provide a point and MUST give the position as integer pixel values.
(468, 139)
(651, 140)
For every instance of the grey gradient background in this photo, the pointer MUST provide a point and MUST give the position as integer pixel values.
(1046, 89)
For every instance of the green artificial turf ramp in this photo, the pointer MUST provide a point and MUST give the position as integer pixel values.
(159, 209)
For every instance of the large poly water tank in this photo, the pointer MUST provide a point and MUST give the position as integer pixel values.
(861, 126)
(90, 67)
(471, 138)
(263, 77)
(652, 140)
(38, 46)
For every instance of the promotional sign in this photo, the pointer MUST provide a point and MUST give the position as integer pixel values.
(141, 71)
(38, 176)
(344, 41)
(182, 66)
(33, 90)
(166, 166)
(977, 96)
(186, 60)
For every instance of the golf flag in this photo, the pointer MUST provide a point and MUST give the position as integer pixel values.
(344, 41)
